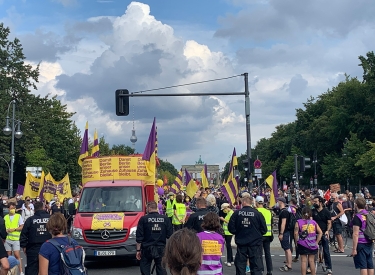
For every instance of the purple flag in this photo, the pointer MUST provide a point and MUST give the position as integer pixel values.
(149, 153)
(20, 189)
(85, 145)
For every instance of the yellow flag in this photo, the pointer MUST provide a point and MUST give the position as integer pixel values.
(32, 186)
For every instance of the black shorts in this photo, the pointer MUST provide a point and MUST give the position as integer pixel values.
(285, 242)
(363, 259)
(337, 227)
(302, 250)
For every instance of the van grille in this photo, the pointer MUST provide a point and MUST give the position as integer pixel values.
(114, 235)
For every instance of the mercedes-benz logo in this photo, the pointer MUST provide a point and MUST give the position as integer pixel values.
(105, 234)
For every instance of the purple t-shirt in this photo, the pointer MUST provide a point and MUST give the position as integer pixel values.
(50, 252)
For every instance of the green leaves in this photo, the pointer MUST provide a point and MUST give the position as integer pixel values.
(336, 126)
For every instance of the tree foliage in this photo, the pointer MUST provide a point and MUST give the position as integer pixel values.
(337, 126)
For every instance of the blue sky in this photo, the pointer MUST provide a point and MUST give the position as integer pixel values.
(291, 49)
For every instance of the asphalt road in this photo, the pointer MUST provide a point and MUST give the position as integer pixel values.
(340, 262)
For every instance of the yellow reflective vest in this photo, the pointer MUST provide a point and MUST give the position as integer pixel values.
(169, 208)
(225, 225)
(181, 212)
(15, 235)
(268, 217)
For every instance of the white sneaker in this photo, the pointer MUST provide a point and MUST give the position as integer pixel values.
(22, 273)
(229, 264)
(232, 263)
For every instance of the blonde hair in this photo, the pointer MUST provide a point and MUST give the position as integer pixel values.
(211, 200)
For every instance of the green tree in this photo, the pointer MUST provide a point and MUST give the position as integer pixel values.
(36, 156)
(368, 65)
(367, 161)
(122, 150)
(167, 166)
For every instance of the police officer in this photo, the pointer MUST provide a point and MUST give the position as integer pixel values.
(268, 237)
(248, 226)
(152, 233)
(195, 220)
(34, 233)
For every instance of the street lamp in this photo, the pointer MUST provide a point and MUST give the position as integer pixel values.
(15, 133)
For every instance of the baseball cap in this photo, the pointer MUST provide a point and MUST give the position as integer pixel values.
(224, 205)
(170, 194)
(281, 199)
(259, 199)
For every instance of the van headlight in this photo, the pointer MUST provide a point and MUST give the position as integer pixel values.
(77, 233)
(133, 232)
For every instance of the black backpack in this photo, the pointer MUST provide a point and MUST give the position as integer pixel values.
(293, 218)
(369, 231)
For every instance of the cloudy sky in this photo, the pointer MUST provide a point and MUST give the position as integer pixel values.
(291, 49)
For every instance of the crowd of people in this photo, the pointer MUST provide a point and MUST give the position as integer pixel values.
(190, 235)
(305, 219)
(27, 224)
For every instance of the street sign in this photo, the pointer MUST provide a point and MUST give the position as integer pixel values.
(257, 164)
(258, 171)
(259, 176)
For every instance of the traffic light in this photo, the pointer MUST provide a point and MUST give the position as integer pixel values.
(302, 163)
(122, 102)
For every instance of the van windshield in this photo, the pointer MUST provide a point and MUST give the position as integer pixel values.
(111, 199)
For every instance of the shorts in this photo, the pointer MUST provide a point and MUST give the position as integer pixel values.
(363, 259)
(337, 227)
(302, 250)
(12, 245)
(285, 242)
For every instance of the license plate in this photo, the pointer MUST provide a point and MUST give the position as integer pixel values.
(105, 253)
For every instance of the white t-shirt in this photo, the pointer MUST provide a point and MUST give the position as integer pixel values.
(30, 205)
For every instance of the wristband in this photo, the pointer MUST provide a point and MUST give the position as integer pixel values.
(138, 250)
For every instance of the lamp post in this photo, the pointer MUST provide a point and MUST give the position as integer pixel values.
(15, 133)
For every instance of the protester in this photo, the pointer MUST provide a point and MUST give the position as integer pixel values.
(212, 244)
(336, 212)
(13, 225)
(183, 253)
(227, 235)
(268, 237)
(295, 215)
(27, 211)
(179, 213)
(362, 247)
(307, 234)
(284, 234)
(3, 260)
(153, 230)
(323, 218)
(49, 256)
(195, 220)
(169, 204)
(28, 200)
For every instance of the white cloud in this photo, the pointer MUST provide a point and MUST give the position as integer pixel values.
(138, 51)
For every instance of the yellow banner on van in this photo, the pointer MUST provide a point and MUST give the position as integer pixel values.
(115, 168)
(107, 221)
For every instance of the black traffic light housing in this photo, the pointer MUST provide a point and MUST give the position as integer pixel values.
(302, 163)
(122, 102)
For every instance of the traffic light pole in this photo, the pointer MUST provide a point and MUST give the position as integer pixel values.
(296, 184)
(120, 111)
(248, 133)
